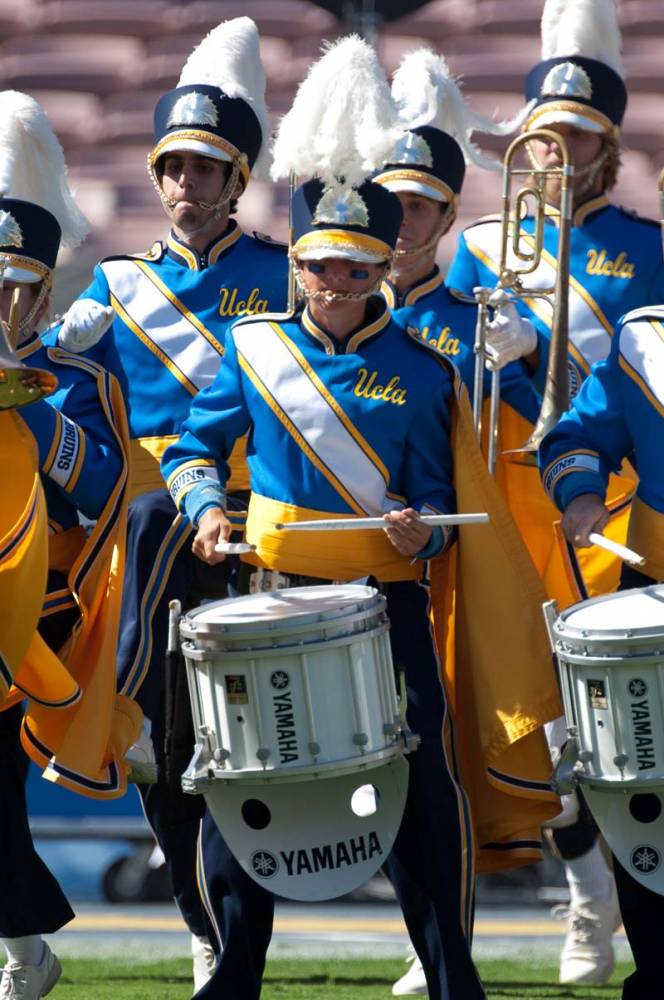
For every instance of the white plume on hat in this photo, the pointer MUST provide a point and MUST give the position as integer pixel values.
(343, 122)
(32, 164)
(229, 57)
(426, 93)
(584, 28)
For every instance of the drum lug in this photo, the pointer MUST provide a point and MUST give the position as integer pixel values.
(564, 778)
(263, 754)
(360, 740)
(314, 749)
(411, 741)
(199, 772)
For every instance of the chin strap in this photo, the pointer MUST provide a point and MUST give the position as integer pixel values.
(26, 325)
(588, 173)
(208, 206)
(327, 295)
(405, 260)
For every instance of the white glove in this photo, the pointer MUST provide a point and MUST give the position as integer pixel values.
(508, 336)
(85, 324)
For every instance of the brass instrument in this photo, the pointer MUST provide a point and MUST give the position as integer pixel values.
(526, 253)
(19, 385)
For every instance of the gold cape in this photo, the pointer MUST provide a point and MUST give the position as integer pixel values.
(76, 726)
(496, 660)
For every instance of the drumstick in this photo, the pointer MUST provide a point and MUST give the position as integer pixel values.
(234, 548)
(627, 555)
(357, 523)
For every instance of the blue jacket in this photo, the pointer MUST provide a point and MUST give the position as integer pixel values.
(615, 266)
(619, 413)
(334, 430)
(448, 323)
(174, 306)
(79, 454)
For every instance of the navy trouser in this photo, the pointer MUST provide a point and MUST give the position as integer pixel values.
(431, 864)
(31, 901)
(160, 567)
(642, 909)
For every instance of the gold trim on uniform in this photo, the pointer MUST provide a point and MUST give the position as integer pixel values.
(571, 107)
(290, 551)
(646, 535)
(210, 139)
(344, 239)
(409, 174)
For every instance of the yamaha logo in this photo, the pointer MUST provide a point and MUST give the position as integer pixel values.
(279, 680)
(264, 864)
(637, 687)
(645, 859)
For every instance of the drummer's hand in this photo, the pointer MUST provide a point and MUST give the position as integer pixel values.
(213, 527)
(584, 514)
(406, 531)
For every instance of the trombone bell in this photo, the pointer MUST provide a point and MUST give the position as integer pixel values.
(19, 385)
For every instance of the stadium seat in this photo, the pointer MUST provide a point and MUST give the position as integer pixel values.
(75, 117)
(287, 19)
(137, 18)
(90, 63)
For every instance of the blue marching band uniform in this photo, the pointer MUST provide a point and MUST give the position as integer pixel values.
(359, 427)
(81, 464)
(233, 395)
(619, 413)
(165, 344)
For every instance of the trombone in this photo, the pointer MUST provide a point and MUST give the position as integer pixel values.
(520, 255)
(19, 385)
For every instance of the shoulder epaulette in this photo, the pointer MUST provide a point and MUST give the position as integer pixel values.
(634, 215)
(645, 312)
(415, 335)
(462, 297)
(59, 356)
(156, 252)
(259, 317)
(494, 217)
(265, 240)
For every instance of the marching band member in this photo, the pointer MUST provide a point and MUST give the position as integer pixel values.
(578, 92)
(618, 412)
(170, 308)
(426, 172)
(346, 415)
(73, 725)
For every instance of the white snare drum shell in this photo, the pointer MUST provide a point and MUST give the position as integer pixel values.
(611, 655)
(314, 694)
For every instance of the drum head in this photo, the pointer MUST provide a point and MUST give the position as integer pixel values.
(628, 610)
(302, 604)
(314, 839)
(633, 825)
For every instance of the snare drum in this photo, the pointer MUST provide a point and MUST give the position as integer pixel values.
(611, 655)
(293, 684)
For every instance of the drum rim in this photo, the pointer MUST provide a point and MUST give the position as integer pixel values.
(564, 630)
(190, 627)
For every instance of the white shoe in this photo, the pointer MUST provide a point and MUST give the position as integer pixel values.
(30, 982)
(143, 765)
(204, 961)
(413, 982)
(587, 955)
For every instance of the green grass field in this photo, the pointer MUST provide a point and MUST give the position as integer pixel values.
(312, 980)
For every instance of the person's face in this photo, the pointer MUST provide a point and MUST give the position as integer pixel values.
(584, 147)
(334, 274)
(421, 218)
(27, 298)
(188, 179)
